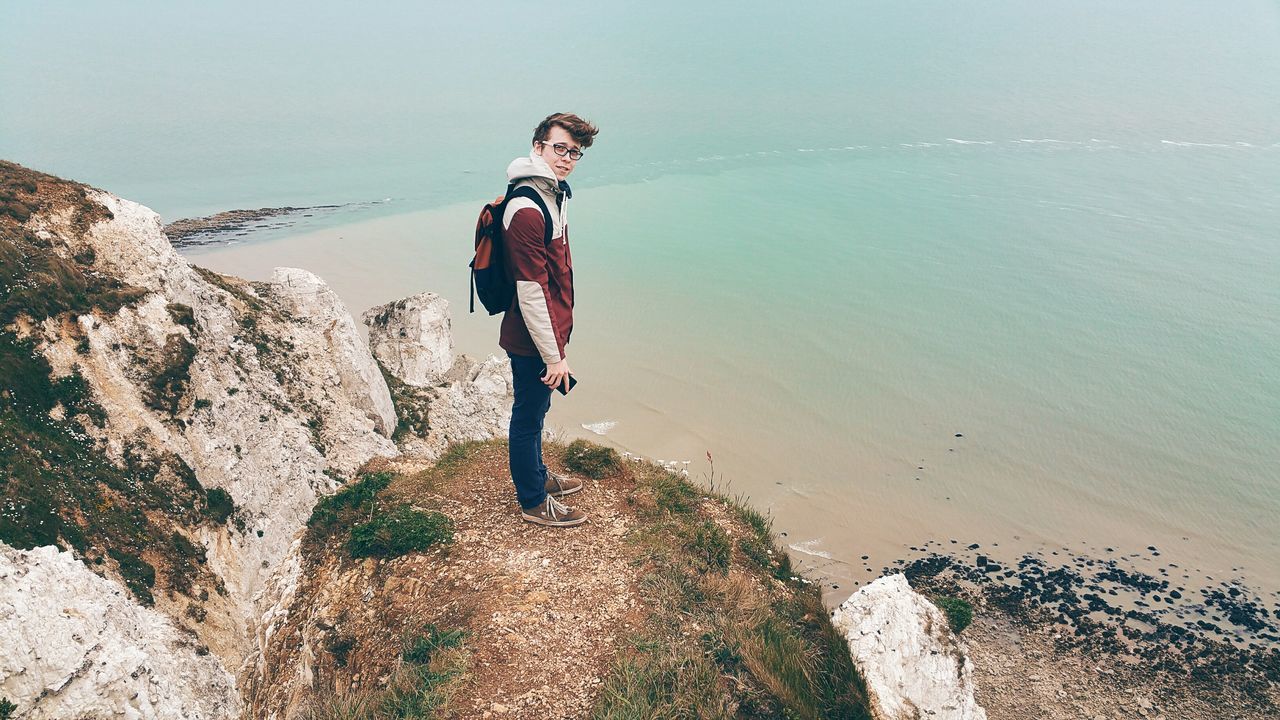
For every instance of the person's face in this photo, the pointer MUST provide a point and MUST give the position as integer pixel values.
(561, 165)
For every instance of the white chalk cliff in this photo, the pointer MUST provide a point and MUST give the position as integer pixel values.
(468, 399)
(279, 401)
(913, 665)
(411, 338)
(76, 645)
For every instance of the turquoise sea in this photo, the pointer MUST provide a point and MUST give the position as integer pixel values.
(993, 271)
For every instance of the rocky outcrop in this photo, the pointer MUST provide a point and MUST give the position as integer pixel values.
(210, 415)
(350, 369)
(442, 399)
(78, 646)
(913, 665)
(473, 404)
(204, 415)
(411, 338)
(289, 400)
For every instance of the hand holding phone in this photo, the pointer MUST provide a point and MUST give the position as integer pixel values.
(557, 374)
(561, 386)
(572, 381)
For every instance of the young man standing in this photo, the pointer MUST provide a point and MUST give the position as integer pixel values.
(536, 328)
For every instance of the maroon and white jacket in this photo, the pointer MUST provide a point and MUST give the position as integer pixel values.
(540, 318)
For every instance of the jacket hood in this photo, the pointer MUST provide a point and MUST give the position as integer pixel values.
(532, 166)
(536, 169)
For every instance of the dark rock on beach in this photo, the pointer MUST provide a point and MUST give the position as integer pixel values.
(1150, 638)
(215, 228)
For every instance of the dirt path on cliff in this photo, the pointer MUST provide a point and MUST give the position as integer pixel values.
(544, 608)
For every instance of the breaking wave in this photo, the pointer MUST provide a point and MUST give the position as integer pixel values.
(600, 428)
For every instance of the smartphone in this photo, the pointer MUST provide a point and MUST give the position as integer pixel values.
(572, 381)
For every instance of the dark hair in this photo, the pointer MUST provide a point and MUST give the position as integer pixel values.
(582, 132)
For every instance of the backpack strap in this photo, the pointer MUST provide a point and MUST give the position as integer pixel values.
(500, 212)
(527, 191)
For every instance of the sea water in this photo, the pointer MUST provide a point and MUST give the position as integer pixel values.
(994, 271)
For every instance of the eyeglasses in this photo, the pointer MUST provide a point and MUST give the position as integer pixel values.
(561, 149)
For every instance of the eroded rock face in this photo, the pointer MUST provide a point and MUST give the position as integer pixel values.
(412, 338)
(474, 405)
(81, 645)
(443, 399)
(913, 665)
(262, 391)
(226, 408)
(350, 368)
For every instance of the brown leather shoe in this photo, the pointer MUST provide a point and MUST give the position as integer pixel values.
(554, 514)
(559, 485)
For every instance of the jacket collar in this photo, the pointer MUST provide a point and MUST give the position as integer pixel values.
(535, 169)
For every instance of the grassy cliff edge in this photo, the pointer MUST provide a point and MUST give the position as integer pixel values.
(720, 625)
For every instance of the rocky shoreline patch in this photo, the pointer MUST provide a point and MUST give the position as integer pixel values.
(223, 226)
(1112, 640)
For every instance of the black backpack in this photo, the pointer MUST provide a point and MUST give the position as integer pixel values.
(489, 276)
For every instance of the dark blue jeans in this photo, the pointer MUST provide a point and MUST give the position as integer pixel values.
(532, 401)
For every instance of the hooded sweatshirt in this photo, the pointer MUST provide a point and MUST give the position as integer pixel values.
(540, 318)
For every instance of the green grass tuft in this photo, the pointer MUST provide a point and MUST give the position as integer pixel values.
(710, 547)
(434, 662)
(189, 557)
(594, 461)
(422, 687)
(412, 407)
(759, 522)
(358, 497)
(663, 682)
(420, 649)
(674, 494)
(138, 575)
(764, 645)
(784, 664)
(340, 647)
(172, 374)
(959, 612)
(182, 314)
(757, 552)
(386, 530)
(218, 505)
(458, 454)
(399, 531)
(76, 397)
